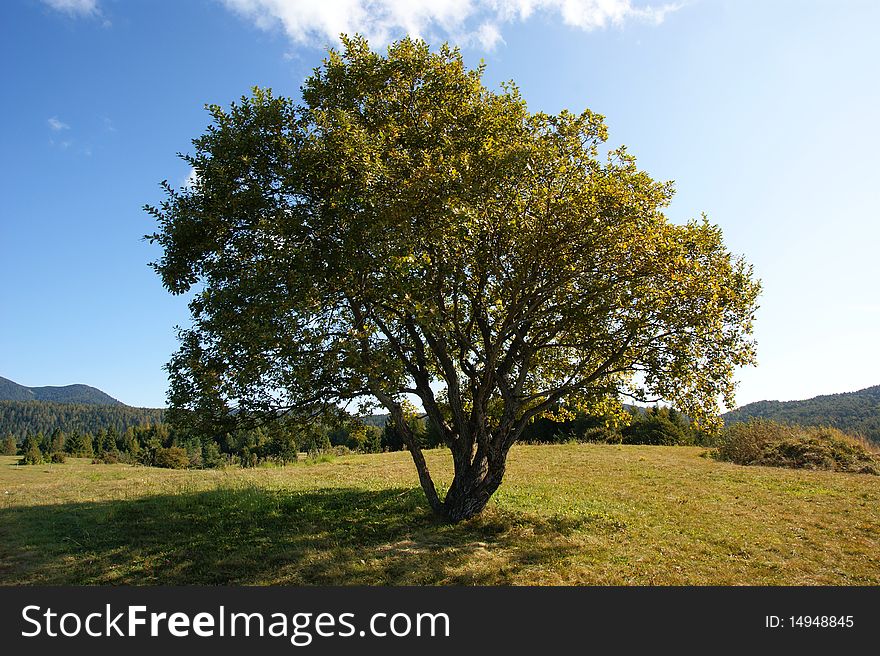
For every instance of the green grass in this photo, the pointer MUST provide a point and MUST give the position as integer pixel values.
(566, 514)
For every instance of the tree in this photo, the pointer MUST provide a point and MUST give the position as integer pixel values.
(406, 230)
(56, 442)
(99, 442)
(174, 457)
(43, 442)
(282, 444)
(30, 451)
(9, 446)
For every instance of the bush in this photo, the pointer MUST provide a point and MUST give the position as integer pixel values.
(58, 457)
(246, 458)
(769, 443)
(659, 431)
(822, 448)
(659, 426)
(173, 457)
(32, 456)
(743, 443)
(602, 434)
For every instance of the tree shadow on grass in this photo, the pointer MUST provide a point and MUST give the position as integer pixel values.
(335, 536)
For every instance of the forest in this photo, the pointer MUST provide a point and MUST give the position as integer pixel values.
(22, 417)
(155, 443)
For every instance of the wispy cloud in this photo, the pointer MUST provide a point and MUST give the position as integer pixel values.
(56, 125)
(469, 22)
(586, 14)
(74, 7)
(488, 35)
(79, 9)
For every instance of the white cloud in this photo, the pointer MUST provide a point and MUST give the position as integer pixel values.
(191, 179)
(586, 14)
(56, 126)
(464, 21)
(74, 7)
(489, 36)
(79, 9)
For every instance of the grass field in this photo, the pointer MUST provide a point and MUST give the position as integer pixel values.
(566, 514)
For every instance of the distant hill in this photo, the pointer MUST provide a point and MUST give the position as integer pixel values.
(82, 394)
(851, 412)
(80, 408)
(375, 420)
(22, 417)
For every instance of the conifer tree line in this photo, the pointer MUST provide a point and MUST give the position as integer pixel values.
(22, 417)
(162, 445)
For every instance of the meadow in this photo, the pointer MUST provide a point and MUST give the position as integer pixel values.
(592, 514)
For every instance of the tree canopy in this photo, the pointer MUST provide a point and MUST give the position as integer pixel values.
(405, 230)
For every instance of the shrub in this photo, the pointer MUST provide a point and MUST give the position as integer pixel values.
(658, 426)
(31, 456)
(658, 431)
(146, 456)
(743, 443)
(579, 427)
(604, 434)
(822, 448)
(769, 443)
(58, 457)
(319, 458)
(246, 458)
(173, 457)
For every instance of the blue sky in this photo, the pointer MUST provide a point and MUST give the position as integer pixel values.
(763, 112)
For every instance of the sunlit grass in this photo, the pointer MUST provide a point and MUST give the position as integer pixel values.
(566, 514)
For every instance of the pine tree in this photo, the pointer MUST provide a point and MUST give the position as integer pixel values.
(9, 446)
(73, 443)
(88, 449)
(56, 442)
(44, 442)
(99, 440)
(31, 453)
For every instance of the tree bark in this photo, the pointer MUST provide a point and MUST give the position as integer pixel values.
(472, 488)
(477, 475)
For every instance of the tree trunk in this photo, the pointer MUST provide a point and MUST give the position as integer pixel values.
(425, 479)
(475, 481)
(412, 445)
(472, 488)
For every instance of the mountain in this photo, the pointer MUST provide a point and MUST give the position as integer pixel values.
(80, 408)
(852, 412)
(82, 394)
(378, 421)
(22, 417)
